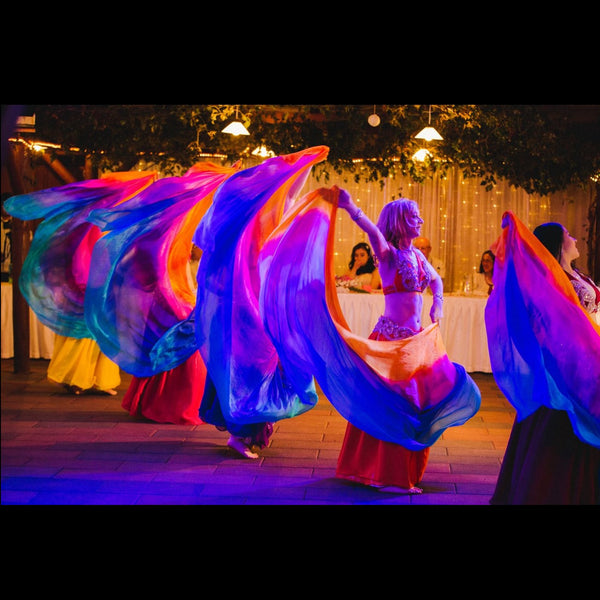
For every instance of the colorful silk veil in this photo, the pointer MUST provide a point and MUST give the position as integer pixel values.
(245, 374)
(266, 317)
(406, 391)
(55, 271)
(544, 347)
(139, 304)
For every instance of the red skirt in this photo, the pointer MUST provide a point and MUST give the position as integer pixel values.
(370, 461)
(173, 396)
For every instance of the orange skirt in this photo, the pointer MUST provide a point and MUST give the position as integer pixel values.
(370, 461)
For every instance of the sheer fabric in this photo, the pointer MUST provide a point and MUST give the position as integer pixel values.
(246, 376)
(405, 391)
(55, 272)
(139, 303)
(543, 345)
(266, 319)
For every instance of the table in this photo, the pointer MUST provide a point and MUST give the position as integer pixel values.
(41, 338)
(462, 328)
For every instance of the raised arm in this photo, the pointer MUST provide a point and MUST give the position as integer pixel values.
(378, 242)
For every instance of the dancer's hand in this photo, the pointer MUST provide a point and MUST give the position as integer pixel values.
(344, 198)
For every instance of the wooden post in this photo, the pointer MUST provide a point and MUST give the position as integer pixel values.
(58, 168)
(19, 247)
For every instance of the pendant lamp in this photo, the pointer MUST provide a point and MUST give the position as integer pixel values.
(429, 133)
(236, 127)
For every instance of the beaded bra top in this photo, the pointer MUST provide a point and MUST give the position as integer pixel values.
(408, 278)
(586, 290)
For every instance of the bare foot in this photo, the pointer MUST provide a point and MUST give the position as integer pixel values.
(391, 489)
(239, 446)
(111, 392)
(72, 389)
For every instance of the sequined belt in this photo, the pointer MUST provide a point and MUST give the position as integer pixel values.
(391, 330)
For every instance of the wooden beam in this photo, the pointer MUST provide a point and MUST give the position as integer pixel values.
(58, 168)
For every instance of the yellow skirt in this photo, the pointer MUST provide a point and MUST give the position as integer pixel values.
(79, 362)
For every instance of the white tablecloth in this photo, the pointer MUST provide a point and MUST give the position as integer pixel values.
(41, 338)
(462, 328)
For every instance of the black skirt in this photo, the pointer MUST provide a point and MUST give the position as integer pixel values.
(546, 463)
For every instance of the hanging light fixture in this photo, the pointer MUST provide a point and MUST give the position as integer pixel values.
(263, 152)
(429, 133)
(421, 154)
(236, 127)
(374, 119)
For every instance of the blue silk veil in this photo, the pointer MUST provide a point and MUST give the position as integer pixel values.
(245, 375)
(544, 347)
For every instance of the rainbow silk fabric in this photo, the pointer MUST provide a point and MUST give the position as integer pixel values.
(544, 347)
(139, 304)
(54, 275)
(265, 317)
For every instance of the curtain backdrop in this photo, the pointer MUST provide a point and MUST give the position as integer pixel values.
(462, 219)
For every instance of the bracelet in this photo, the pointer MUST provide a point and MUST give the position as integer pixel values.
(439, 296)
(357, 215)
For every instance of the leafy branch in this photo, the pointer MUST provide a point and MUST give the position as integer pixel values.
(532, 147)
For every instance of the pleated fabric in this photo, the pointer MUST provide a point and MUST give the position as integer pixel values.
(78, 362)
(544, 347)
(172, 396)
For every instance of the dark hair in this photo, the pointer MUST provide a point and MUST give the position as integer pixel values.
(551, 235)
(481, 261)
(369, 266)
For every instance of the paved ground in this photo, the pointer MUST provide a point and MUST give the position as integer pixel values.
(58, 449)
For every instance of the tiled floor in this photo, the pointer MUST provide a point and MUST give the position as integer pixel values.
(86, 450)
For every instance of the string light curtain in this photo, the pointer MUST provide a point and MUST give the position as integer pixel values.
(462, 219)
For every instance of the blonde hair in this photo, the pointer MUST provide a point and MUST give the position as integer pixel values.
(392, 220)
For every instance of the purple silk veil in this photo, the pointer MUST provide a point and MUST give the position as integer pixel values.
(544, 347)
(55, 272)
(138, 303)
(406, 391)
(244, 372)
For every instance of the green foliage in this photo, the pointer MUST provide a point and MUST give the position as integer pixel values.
(533, 147)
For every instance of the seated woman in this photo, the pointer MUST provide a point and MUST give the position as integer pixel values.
(482, 282)
(362, 271)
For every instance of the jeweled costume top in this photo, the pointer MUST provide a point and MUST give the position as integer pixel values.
(408, 278)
